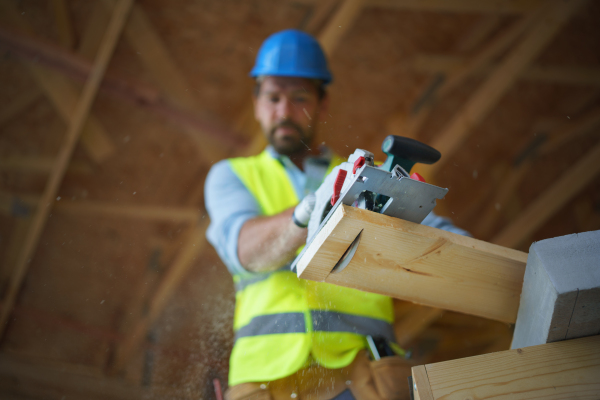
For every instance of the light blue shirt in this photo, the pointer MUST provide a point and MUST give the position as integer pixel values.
(230, 204)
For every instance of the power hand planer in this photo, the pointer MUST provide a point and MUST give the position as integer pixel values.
(388, 189)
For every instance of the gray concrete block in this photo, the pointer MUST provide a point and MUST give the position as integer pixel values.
(561, 290)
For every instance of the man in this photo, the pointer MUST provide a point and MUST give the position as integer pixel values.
(294, 338)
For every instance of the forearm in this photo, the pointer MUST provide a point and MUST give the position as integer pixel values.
(268, 243)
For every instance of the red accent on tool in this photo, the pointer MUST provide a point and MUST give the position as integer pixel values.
(417, 177)
(218, 390)
(360, 161)
(337, 185)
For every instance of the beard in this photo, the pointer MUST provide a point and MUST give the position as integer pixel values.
(292, 144)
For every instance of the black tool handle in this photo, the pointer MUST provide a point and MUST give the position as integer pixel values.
(406, 152)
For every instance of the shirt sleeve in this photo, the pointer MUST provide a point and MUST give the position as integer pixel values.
(435, 221)
(229, 205)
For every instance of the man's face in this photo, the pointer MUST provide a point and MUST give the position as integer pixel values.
(288, 110)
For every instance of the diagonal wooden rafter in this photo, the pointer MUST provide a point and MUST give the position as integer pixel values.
(76, 125)
(552, 19)
(508, 187)
(571, 182)
(19, 104)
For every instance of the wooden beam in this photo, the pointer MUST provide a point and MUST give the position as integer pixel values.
(62, 95)
(548, 24)
(97, 208)
(339, 24)
(20, 103)
(571, 182)
(417, 263)
(581, 76)
(421, 386)
(456, 6)
(188, 254)
(94, 29)
(150, 213)
(80, 115)
(64, 27)
(567, 369)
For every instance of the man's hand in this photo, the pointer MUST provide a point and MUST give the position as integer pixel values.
(322, 203)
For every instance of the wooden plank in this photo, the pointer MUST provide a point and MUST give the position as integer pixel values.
(97, 208)
(64, 26)
(19, 104)
(582, 76)
(456, 6)
(421, 387)
(77, 122)
(448, 141)
(156, 213)
(188, 254)
(63, 96)
(568, 369)
(342, 20)
(417, 263)
(571, 182)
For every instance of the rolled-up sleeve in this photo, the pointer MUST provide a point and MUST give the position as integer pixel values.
(229, 205)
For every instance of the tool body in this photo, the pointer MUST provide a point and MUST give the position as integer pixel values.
(388, 189)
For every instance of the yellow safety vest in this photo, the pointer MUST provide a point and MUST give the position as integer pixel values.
(279, 319)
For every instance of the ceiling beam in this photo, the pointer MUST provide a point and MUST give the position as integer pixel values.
(457, 6)
(570, 183)
(186, 257)
(80, 114)
(548, 23)
(438, 63)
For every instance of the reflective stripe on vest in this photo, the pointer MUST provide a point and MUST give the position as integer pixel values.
(323, 321)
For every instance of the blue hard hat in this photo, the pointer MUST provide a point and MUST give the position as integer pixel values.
(292, 53)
